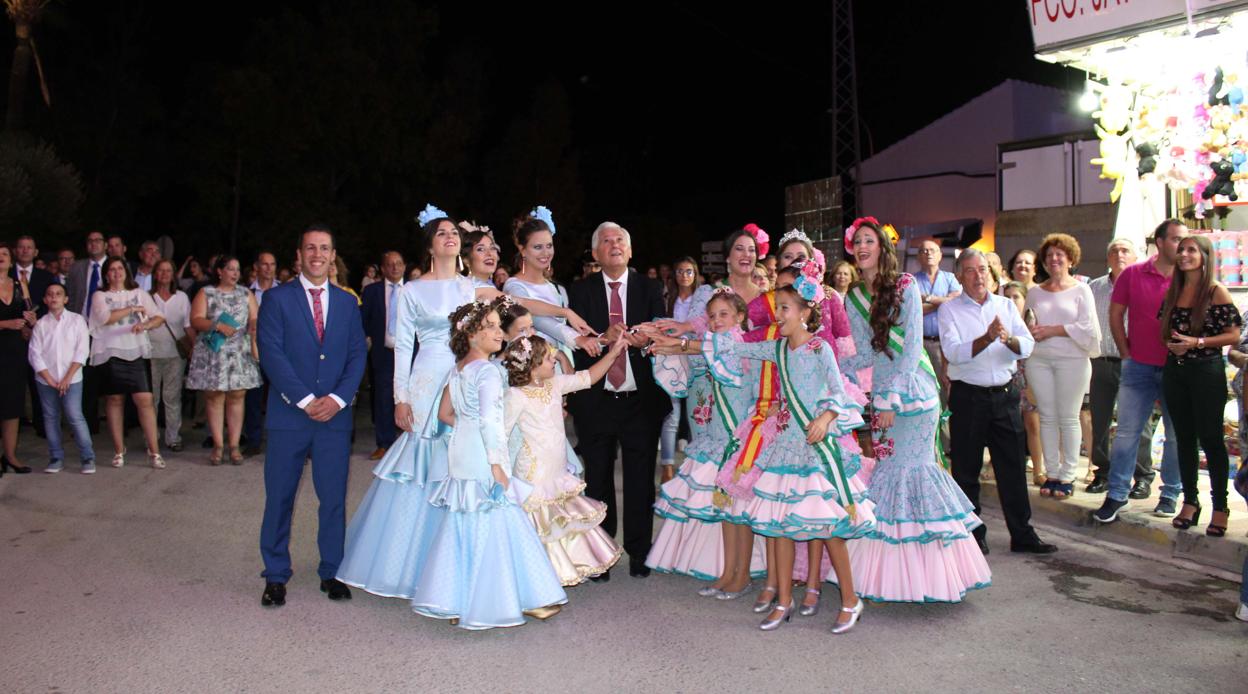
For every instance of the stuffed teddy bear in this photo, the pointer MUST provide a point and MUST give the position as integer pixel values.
(1147, 152)
(1221, 183)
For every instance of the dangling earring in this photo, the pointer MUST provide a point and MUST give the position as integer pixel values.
(459, 264)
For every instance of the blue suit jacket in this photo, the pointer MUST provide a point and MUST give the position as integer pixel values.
(373, 313)
(298, 365)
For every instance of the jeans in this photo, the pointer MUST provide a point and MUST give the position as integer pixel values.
(167, 388)
(1106, 372)
(667, 435)
(53, 404)
(1139, 388)
(1059, 384)
(1197, 392)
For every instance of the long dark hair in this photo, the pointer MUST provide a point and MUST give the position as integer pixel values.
(522, 229)
(129, 283)
(467, 241)
(427, 233)
(1204, 290)
(886, 298)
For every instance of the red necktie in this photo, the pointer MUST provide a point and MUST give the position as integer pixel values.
(318, 316)
(619, 368)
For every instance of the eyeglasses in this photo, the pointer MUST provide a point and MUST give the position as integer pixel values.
(926, 251)
(685, 273)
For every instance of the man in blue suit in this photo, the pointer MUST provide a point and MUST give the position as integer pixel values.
(380, 312)
(312, 349)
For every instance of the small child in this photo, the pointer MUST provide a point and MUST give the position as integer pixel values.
(565, 519)
(517, 321)
(58, 349)
(486, 567)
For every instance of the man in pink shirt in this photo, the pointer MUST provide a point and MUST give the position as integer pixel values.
(1138, 295)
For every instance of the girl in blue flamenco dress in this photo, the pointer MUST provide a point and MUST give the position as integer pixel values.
(921, 549)
(485, 567)
(807, 490)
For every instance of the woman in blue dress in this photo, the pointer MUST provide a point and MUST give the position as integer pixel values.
(921, 549)
(486, 566)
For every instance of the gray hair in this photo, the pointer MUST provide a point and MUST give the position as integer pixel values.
(606, 226)
(1122, 241)
(967, 255)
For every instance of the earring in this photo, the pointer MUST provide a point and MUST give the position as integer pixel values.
(459, 263)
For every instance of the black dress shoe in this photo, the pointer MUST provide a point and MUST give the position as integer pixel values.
(1141, 490)
(274, 595)
(1098, 486)
(983, 545)
(1036, 547)
(603, 577)
(638, 570)
(335, 589)
(250, 451)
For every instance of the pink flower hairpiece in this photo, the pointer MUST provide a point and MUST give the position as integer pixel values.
(853, 228)
(762, 242)
(725, 289)
(809, 282)
(821, 261)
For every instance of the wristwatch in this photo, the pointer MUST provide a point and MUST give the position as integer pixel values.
(1200, 343)
(684, 344)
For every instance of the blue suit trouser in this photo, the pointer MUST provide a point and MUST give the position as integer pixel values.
(283, 468)
(383, 396)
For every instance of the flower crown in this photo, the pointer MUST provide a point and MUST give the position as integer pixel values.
(429, 214)
(472, 226)
(721, 291)
(472, 313)
(809, 282)
(761, 239)
(543, 213)
(887, 229)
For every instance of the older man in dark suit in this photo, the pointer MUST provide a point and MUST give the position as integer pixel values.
(626, 409)
(379, 311)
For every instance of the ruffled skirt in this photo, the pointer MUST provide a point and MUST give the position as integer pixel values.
(567, 523)
(485, 565)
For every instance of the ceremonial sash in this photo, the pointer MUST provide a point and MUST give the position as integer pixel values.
(752, 444)
(828, 454)
(860, 300)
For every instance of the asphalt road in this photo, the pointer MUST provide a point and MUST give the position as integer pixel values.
(138, 580)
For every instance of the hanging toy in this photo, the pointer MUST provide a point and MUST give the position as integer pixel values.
(1221, 183)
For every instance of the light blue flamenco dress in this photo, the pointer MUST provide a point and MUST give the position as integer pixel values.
(393, 527)
(690, 541)
(803, 492)
(921, 549)
(486, 566)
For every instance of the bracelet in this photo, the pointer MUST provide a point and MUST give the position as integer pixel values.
(1200, 343)
(684, 344)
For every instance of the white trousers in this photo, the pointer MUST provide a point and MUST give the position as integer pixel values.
(1059, 385)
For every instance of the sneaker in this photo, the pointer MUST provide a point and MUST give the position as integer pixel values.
(1165, 508)
(54, 467)
(1242, 613)
(88, 468)
(1108, 512)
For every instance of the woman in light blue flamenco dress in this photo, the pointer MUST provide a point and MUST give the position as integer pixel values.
(393, 526)
(921, 549)
(486, 566)
(807, 489)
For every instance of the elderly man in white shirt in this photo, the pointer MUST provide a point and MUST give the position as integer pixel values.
(983, 336)
(58, 349)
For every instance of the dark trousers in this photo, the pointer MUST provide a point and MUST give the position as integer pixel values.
(991, 417)
(253, 413)
(36, 405)
(283, 468)
(91, 398)
(382, 361)
(1195, 392)
(622, 422)
(1106, 373)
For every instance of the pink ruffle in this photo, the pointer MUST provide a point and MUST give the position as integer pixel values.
(917, 572)
(696, 548)
(794, 506)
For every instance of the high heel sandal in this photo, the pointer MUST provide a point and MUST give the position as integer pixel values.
(766, 605)
(236, 455)
(786, 613)
(856, 612)
(10, 466)
(1046, 487)
(1215, 528)
(1063, 490)
(215, 457)
(809, 610)
(119, 459)
(1184, 523)
(157, 461)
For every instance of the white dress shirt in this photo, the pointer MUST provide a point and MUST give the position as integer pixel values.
(397, 289)
(630, 384)
(962, 321)
(55, 343)
(143, 279)
(307, 285)
(259, 292)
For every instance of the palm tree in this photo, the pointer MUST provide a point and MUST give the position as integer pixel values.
(25, 14)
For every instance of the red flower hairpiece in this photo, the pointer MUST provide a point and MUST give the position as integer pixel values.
(761, 239)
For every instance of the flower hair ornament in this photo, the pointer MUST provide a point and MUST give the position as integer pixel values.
(429, 214)
(809, 282)
(798, 235)
(525, 353)
(761, 239)
(543, 213)
(886, 229)
(472, 226)
(821, 261)
(721, 291)
(465, 319)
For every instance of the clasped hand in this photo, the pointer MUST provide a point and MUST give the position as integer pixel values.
(322, 409)
(1179, 343)
(997, 332)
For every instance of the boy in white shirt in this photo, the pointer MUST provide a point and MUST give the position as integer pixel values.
(58, 348)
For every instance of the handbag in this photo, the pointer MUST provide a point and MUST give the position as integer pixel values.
(216, 339)
(184, 350)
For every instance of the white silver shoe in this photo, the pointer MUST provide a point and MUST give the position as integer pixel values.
(766, 605)
(1242, 613)
(786, 613)
(158, 461)
(856, 612)
(734, 594)
(809, 610)
(119, 459)
(709, 592)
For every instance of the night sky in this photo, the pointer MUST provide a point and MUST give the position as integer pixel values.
(679, 120)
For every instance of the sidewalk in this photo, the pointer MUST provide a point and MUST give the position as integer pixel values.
(1137, 530)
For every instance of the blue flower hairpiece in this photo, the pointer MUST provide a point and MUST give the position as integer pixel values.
(543, 213)
(429, 214)
(806, 288)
